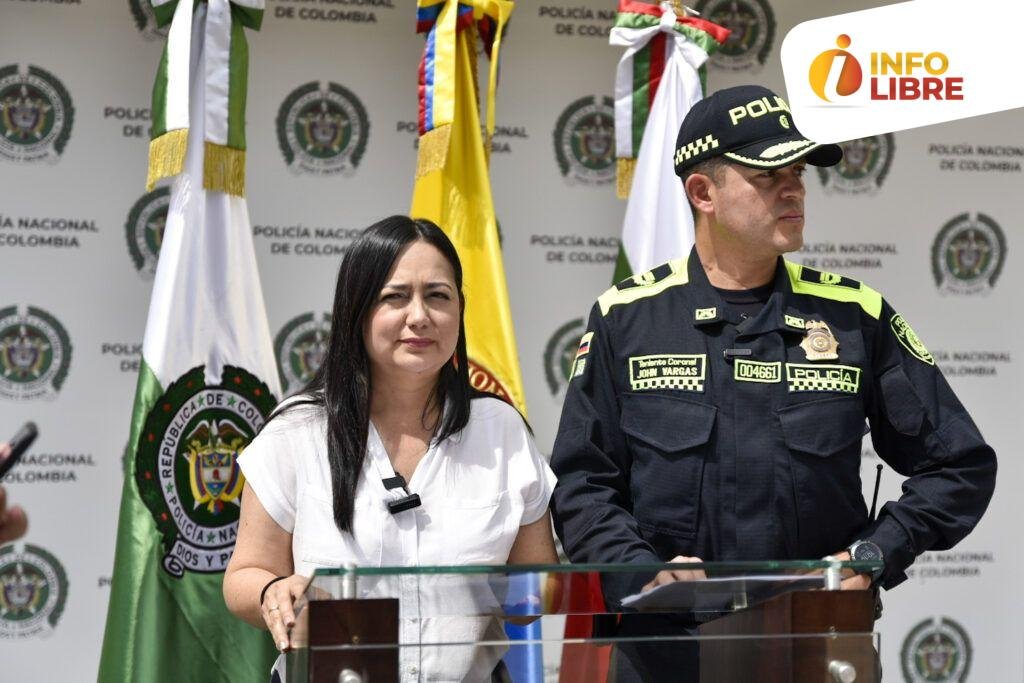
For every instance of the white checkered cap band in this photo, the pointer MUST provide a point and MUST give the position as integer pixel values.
(690, 150)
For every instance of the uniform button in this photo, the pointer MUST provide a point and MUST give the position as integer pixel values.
(413, 670)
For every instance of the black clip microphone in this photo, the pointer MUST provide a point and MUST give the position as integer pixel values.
(407, 502)
(19, 444)
(730, 354)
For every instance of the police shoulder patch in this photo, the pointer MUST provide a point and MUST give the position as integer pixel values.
(643, 285)
(579, 363)
(910, 341)
(804, 280)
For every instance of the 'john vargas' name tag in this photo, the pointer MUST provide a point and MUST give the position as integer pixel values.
(842, 378)
(685, 372)
(757, 371)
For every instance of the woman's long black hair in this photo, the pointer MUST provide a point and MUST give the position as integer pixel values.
(341, 386)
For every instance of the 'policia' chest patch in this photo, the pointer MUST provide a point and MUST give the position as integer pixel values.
(684, 372)
(817, 377)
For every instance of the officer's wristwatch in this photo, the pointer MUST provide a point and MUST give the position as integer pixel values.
(867, 551)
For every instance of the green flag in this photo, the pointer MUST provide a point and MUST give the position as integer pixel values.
(207, 382)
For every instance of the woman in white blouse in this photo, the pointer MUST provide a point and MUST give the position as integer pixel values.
(392, 397)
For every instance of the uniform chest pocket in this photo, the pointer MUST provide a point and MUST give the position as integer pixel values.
(823, 438)
(669, 438)
(824, 427)
(319, 542)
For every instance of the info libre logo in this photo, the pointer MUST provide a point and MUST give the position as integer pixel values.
(837, 76)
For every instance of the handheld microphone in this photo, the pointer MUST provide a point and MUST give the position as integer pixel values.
(19, 444)
(407, 502)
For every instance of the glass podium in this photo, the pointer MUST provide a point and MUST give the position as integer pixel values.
(712, 621)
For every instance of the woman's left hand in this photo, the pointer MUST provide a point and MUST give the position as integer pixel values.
(278, 608)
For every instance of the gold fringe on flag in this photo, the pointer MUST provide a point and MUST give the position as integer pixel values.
(624, 168)
(223, 169)
(166, 156)
(433, 150)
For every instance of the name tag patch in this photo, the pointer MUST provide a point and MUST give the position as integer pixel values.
(842, 378)
(668, 371)
(757, 371)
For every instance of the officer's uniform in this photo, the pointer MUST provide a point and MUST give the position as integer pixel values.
(688, 431)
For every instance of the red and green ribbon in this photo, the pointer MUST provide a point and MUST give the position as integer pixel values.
(638, 80)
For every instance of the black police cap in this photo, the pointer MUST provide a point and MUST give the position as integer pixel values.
(748, 125)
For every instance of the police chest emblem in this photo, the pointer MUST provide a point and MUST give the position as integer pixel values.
(683, 372)
(819, 343)
(186, 465)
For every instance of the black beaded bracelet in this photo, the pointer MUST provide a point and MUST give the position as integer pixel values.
(263, 593)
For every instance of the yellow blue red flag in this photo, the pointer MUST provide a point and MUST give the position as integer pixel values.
(453, 187)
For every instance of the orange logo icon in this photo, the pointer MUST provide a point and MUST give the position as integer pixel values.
(850, 74)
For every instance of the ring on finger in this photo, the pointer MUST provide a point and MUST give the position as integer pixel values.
(274, 608)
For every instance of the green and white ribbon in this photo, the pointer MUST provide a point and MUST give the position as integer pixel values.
(225, 55)
(653, 93)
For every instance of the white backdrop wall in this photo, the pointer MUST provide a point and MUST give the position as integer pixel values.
(77, 238)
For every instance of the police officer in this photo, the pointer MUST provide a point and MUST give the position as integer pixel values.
(717, 402)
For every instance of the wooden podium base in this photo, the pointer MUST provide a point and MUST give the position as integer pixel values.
(353, 622)
(780, 640)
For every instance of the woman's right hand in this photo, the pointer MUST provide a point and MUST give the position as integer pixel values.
(278, 608)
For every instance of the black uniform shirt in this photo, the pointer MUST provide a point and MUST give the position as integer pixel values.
(688, 431)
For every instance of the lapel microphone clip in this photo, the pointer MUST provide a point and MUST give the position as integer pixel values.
(406, 502)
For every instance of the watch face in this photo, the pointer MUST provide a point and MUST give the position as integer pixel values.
(867, 551)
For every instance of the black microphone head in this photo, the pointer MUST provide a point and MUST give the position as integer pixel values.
(402, 504)
(23, 439)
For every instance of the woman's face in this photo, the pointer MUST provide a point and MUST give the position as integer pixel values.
(413, 327)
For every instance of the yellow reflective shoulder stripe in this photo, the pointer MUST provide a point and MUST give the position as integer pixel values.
(615, 296)
(869, 299)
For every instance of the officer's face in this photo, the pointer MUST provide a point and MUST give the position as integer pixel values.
(414, 326)
(759, 211)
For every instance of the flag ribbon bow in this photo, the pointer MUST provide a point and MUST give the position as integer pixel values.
(442, 21)
(648, 32)
(225, 74)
